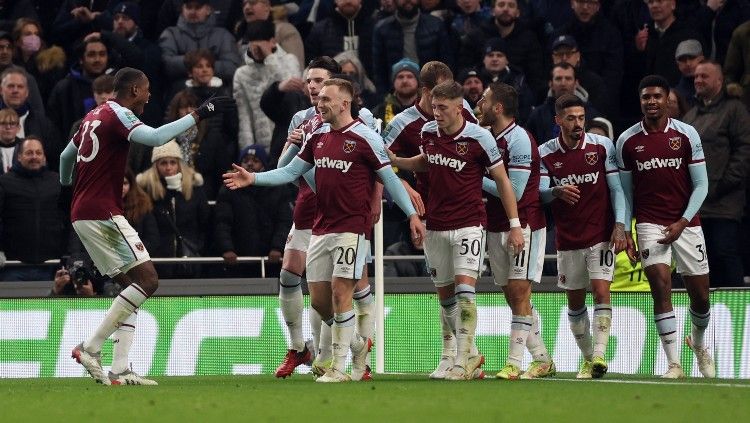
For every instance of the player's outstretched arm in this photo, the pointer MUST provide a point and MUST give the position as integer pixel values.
(518, 180)
(507, 197)
(241, 178)
(393, 184)
(290, 152)
(67, 161)
(417, 163)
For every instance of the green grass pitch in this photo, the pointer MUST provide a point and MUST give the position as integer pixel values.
(389, 398)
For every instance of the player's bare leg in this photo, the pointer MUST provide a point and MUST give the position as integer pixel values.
(518, 294)
(660, 280)
(140, 282)
(321, 303)
(468, 359)
(291, 303)
(364, 308)
(700, 314)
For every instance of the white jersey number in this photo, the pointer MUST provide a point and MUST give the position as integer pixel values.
(89, 128)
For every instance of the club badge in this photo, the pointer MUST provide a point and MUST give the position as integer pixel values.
(592, 158)
(462, 147)
(675, 143)
(349, 146)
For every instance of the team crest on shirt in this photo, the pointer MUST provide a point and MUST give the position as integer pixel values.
(675, 143)
(557, 165)
(644, 254)
(319, 145)
(462, 147)
(592, 158)
(139, 246)
(349, 146)
(639, 148)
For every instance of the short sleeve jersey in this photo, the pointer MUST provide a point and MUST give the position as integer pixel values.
(591, 220)
(456, 165)
(304, 206)
(103, 141)
(520, 153)
(345, 163)
(658, 162)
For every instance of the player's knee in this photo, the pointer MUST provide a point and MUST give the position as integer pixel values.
(149, 282)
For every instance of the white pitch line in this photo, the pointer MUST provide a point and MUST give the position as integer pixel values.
(649, 382)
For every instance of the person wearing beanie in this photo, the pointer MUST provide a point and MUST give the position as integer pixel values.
(252, 222)
(405, 85)
(180, 207)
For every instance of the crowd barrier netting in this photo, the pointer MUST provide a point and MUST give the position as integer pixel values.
(221, 335)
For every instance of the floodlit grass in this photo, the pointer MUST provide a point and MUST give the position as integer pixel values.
(389, 398)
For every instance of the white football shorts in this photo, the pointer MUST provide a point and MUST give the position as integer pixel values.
(341, 255)
(113, 244)
(454, 252)
(526, 265)
(298, 239)
(576, 268)
(689, 250)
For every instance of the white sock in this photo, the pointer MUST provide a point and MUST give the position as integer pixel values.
(122, 340)
(364, 304)
(291, 303)
(326, 339)
(520, 327)
(466, 323)
(580, 326)
(534, 342)
(666, 326)
(123, 306)
(602, 325)
(448, 312)
(315, 326)
(698, 327)
(342, 335)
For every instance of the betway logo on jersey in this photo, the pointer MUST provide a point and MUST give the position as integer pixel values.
(441, 160)
(328, 163)
(657, 163)
(574, 179)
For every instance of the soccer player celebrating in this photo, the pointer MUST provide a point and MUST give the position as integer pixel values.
(512, 271)
(347, 155)
(455, 156)
(581, 182)
(402, 137)
(663, 175)
(99, 151)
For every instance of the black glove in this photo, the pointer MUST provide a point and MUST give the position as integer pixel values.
(214, 106)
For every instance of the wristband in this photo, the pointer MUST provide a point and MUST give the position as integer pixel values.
(515, 222)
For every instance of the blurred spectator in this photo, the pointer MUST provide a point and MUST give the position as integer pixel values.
(180, 207)
(631, 18)
(347, 29)
(79, 277)
(598, 42)
(470, 15)
(723, 124)
(408, 34)
(716, 20)
(523, 46)
(473, 86)
(195, 30)
(31, 221)
(676, 104)
(200, 76)
(403, 268)
(202, 148)
(72, 97)
(224, 12)
(438, 9)
(286, 34)
(387, 8)
(13, 10)
(405, 75)
(76, 18)
(6, 61)
(9, 125)
(350, 65)
(563, 80)
(15, 95)
(737, 64)
(104, 89)
(253, 221)
(547, 17)
(688, 54)
(265, 63)
(565, 49)
(138, 210)
(309, 12)
(600, 126)
(496, 67)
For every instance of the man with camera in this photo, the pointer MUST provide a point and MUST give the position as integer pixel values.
(78, 278)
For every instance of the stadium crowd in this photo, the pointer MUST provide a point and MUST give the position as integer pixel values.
(57, 62)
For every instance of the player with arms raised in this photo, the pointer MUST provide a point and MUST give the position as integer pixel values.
(347, 155)
(581, 182)
(663, 174)
(98, 152)
(455, 153)
(512, 271)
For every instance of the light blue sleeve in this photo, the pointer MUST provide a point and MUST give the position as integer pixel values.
(626, 182)
(396, 189)
(67, 161)
(155, 137)
(545, 192)
(284, 175)
(518, 179)
(699, 177)
(617, 197)
(288, 155)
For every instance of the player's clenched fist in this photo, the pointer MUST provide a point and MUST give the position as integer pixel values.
(240, 178)
(515, 240)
